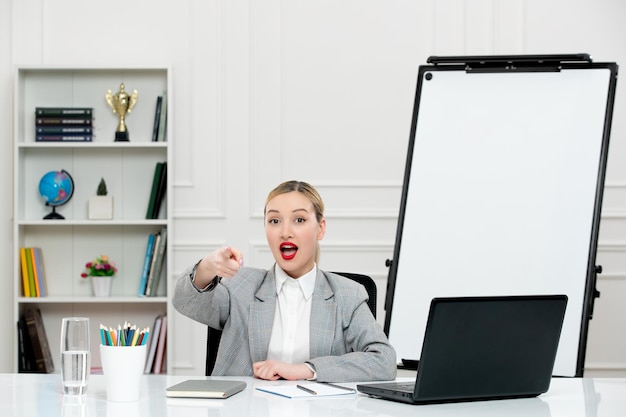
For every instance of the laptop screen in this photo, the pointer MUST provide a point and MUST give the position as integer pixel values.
(483, 347)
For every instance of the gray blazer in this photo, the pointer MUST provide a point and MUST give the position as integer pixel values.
(346, 342)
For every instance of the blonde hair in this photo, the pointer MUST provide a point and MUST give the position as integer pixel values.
(309, 192)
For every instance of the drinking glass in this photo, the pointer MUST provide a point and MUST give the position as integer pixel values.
(75, 358)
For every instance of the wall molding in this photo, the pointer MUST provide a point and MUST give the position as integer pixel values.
(336, 246)
(197, 246)
(200, 214)
(615, 184)
(342, 213)
(606, 366)
(614, 246)
(345, 188)
(612, 276)
(347, 213)
(613, 214)
(259, 250)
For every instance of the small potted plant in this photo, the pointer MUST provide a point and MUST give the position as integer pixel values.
(101, 270)
(101, 205)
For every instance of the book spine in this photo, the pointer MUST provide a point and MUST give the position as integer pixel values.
(25, 350)
(152, 344)
(41, 272)
(58, 121)
(64, 130)
(21, 351)
(157, 242)
(158, 200)
(159, 357)
(63, 138)
(79, 112)
(31, 274)
(35, 275)
(155, 186)
(39, 341)
(146, 265)
(25, 278)
(158, 263)
(161, 137)
(157, 118)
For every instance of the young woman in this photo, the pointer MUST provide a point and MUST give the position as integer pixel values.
(293, 321)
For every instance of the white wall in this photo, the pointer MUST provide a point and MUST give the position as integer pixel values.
(269, 90)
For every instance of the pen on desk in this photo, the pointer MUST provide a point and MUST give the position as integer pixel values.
(339, 386)
(305, 389)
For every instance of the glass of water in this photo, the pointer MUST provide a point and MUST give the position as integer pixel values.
(75, 358)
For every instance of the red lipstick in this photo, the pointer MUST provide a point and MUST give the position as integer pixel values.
(288, 250)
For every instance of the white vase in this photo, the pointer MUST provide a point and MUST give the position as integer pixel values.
(101, 286)
(101, 207)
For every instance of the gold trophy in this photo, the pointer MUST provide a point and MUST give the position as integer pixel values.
(121, 103)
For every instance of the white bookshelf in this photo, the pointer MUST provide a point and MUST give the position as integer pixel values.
(128, 169)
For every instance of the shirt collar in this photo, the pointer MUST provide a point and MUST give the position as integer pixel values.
(306, 281)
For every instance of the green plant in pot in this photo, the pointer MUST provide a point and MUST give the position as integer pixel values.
(101, 205)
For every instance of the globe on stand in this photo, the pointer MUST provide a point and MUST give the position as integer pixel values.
(56, 188)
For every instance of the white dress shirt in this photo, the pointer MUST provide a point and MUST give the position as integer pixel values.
(289, 341)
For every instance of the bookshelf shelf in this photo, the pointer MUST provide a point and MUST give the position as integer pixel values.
(104, 223)
(91, 300)
(93, 145)
(128, 169)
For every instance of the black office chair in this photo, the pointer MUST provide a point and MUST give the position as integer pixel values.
(214, 335)
(368, 283)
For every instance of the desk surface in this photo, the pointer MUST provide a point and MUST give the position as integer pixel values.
(41, 395)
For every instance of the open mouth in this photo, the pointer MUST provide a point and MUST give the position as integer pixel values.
(288, 250)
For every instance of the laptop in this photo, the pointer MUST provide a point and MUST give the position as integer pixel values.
(483, 348)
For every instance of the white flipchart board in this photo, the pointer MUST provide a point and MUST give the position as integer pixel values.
(502, 194)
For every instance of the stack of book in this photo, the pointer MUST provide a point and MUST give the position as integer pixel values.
(33, 349)
(33, 273)
(160, 119)
(157, 191)
(155, 359)
(63, 124)
(153, 263)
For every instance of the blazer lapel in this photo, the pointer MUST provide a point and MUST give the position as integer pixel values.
(261, 318)
(323, 318)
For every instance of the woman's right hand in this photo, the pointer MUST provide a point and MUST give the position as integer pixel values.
(223, 262)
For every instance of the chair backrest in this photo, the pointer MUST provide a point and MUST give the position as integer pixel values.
(368, 283)
(214, 335)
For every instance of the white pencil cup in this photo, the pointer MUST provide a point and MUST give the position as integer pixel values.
(123, 367)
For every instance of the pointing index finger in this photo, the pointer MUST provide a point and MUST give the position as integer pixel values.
(235, 254)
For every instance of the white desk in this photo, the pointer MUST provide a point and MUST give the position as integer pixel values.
(40, 395)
